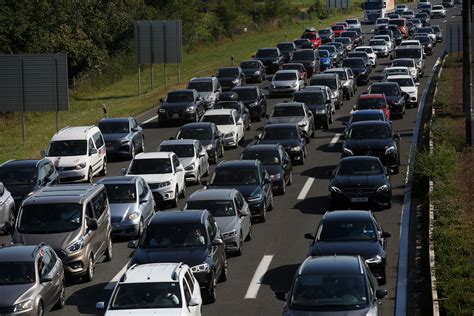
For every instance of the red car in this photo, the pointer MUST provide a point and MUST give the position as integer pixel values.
(303, 73)
(402, 26)
(373, 102)
(313, 36)
(338, 29)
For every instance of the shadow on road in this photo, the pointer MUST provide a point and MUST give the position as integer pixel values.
(280, 278)
(313, 205)
(83, 298)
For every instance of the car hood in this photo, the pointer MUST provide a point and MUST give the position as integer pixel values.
(145, 312)
(56, 240)
(20, 190)
(285, 119)
(357, 312)
(273, 169)
(250, 71)
(372, 143)
(175, 105)
(112, 137)
(67, 161)
(191, 255)
(121, 209)
(245, 190)
(155, 178)
(371, 181)
(226, 223)
(366, 249)
(284, 142)
(358, 71)
(226, 128)
(409, 89)
(227, 80)
(12, 294)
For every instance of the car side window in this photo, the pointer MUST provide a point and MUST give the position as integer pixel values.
(187, 293)
(46, 264)
(189, 279)
(90, 211)
(241, 200)
(175, 162)
(262, 173)
(42, 174)
(98, 140)
(238, 205)
(145, 187)
(140, 190)
(91, 145)
(212, 228)
(49, 168)
(99, 203)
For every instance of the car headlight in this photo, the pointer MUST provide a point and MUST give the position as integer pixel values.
(253, 104)
(276, 176)
(302, 124)
(376, 259)
(208, 147)
(133, 216)
(397, 102)
(335, 94)
(190, 167)
(347, 151)
(295, 148)
(390, 150)
(23, 306)
(383, 188)
(230, 233)
(203, 267)
(124, 141)
(319, 111)
(255, 197)
(257, 72)
(235, 81)
(412, 92)
(334, 189)
(160, 184)
(161, 110)
(294, 85)
(75, 246)
(313, 63)
(191, 109)
(231, 134)
(80, 166)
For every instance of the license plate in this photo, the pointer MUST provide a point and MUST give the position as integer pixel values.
(175, 115)
(359, 199)
(110, 147)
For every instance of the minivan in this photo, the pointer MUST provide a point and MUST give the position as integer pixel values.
(74, 220)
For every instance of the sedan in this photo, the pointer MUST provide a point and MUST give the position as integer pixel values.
(209, 136)
(181, 105)
(349, 84)
(237, 105)
(370, 52)
(360, 69)
(302, 72)
(123, 136)
(230, 77)
(318, 103)
(373, 102)
(307, 57)
(296, 113)
(254, 70)
(408, 63)
(438, 11)
(286, 82)
(396, 98)
(426, 42)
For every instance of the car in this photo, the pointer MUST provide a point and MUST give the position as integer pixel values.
(289, 136)
(229, 123)
(363, 55)
(439, 33)
(360, 182)
(251, 179)
(318, 103)
(337, 29)
(396, 98)
(78, 153)
(408, 14)
(448, 3)
(429, 31)
(193, 238)
(381, 21)
(395, 71)
(325, 59)
(326, 35)
(230, 100)
(380, 47)
(414, 52)
(231, 212)
(74, 220)
(346, 41)
(352, 232)
(276, 162)
(181, 105)
(398, 36)
(327, 94)
(307, 57)
(149, 288)
(333, 53)
(373, 138)
(373, 102)
(359, 31)
(164, 174)
(417, 22)
(353, 22)
(360, 69)
(341, 51)
(333, 285)
(411, 42)
(333, 81)
(285, 82)
(296, 113)
(254, 99)
(32, 280)
(370, 53)
(254, 70)
(208, 89)
(230, 77)
(353, 35)
(411, 28)
(208, 135)
(425, 7)
(192, 156)
(123, 136)
(418, 5)
(402, 26)
(300, 42)
(313, 36)
(287, 49)
(302, 72)
(400, 8)
(424, 18)
(271, 58)
(7, 209)
(23, 177)
(131, 205)
(349, 85)
(388, 40)
(405, 62)
(426, 42)
(393, 16)
(407, 85)
(365, 115)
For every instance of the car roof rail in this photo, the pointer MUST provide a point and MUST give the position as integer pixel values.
(174, 274)
(37, 248)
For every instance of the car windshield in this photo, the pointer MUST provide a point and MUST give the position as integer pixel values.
(303, 55)
(369, 131)
(438, 7)
(359, 117)
(324, 32)
(382, 21)
(181, 151)
(348, 230)
(281, 110)
(234, 176)
(114, 127)
(299, 42)
(403, 63)
(201, 86)
(285, 76)
(424, 30)
(146, 295)
(329, 48)
(371, 103)
(51, 218)
(403, 82)
(359, 167)
(218, 119)
(436, 28)
(423, 39)
(280, 133)
(218, 208)
(18, 176)
(194, 133)
(61, 148)
(18, 272)
(313, 291)
(373, 5)
(286, 47)
(298, 67)
(358, 54)
(316, 98)
(377, 43)
(388, 72)
(228, 72)
(180, 97)
(121, 193)
(344, 40)
(398, 22)
(368, 50)
(266, 157)
(267, 53)
(349, 34)
(249, 64)
(387, 89)
(415, 21)
(151, 166)
(246, 94)
(353, 63)
(337, 27)
(173, 235)
(421, 16)
(352, 21)
(323, 53)
(331, 83)
(342, 74)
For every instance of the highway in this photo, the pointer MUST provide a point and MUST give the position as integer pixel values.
(271, 258)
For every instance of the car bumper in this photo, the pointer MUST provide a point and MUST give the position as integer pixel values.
(75, 265)
(203, 278)
(257, 209)
(340, 201)
(125, 229)
(285, 90)
(396, 109)
(377, 269)
(176, 117)
(163, 194)
(191, 175)
(231, 141)
(73, 175)
(278, 184)
(117, 148)
(232, 243)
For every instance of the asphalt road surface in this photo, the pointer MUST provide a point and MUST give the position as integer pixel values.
(270, 259)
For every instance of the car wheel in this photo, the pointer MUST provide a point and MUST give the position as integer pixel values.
(90, 270)
(212, 290)
(183, 192)
(90, 176)
(313, 134)
(224, 272)
(222, 151)
(40, 309)
(142, 149)
(270, 205)
(198, 176)
(326, 124)
(249, 235)
(241, 244)
(141, 226)
(283, 188)
(61, 298)
(131, 155)
(11, 220)
(109, 251)
(103, 171)
(174, 203)
(290, 178)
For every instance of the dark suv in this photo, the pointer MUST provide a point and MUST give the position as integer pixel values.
(254, 99)
(309, 58)
(230, 77)
(318, 104)
(189, 237)
(271, 58)
(181, 105)
(251, 179)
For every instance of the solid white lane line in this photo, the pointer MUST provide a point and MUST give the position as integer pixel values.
(111, 284)
(453, 17)
(150, 119)
(306, 188)
(262, 268)
(445, 21)
(334, 140)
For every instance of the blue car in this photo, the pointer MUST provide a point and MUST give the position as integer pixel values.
(325, 60)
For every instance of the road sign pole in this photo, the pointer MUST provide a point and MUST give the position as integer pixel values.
(179, 72)
(467, 70)
(151, 76)
(138, 79)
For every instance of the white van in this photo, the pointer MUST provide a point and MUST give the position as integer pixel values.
(78, 153)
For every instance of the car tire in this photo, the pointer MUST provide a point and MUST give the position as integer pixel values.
(183, 192)
(282, 191)
(198, 176)
(103, 171)
(90, 270)
(109, 252)
(11, 221)
(174, 203)
(131, 154)
(61, 297)
(40, 309)
(222, 151)
(141, 227)
(90, 176)
(290, 178)
(211, 290)
(241, 245)
(142, 148)
(249, 235)
(224, 272)
(326, 124)
(270, 205)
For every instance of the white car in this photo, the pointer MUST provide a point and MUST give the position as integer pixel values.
(438, 11)
(286, 82)
(410, 64)
(380, 46)
(381, 21)
(370, 52)
(78, 153)
(407, 85)
(228, 123)
(164, 174)
(410, 43)
(155, 289)
(387, 38)
(400, 8)
(353, 22)
(390, 71)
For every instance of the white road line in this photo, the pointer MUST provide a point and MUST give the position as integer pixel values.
(112, 282)
(150, 119)
(445, 21)
(453, 17)
(334, 140)
(305, 188)
(262, 268)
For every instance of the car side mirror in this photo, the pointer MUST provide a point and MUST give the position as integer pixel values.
(143, 201)
(380, 294)
(92, 151)
(46, 279)
(281, 295)
(205, 183)
(243, 213)
(92, 224)
(131, 244)
(135, 129)
(162, 100)
(266, 181)
(386, 235)
(217, 242)
(100, 305)
(194, 301)
(123, 171)
(396, 136)
(43, 153)
(309, 236)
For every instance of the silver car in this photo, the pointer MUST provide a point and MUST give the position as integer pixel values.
(192, 155)
(231, 212)
(296, 113)
(131, 204)
(349, 85)
(7, 209)
(286, 82)
(380, 47)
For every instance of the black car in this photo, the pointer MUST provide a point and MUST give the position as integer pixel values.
(346, 42)
(209, 136)
(352, 233)
(360, 182)
(307, 57)
(327, 35)
(396, 98)
(23, 177)
(254, 70)
(411, 28)
(254, 99)
(230, 77)
(181, 105)
(123, 136)
(360, 69)
(373, 138)
(230, 100)
(189, 237)
(275, 160)
(290, 136)
(424, 18)
(362, 55)
(271, 58)
(360, 33)
(250, 178)
(334, 83)
(385, 31)
(426, 42)
(300, 42)
(318, 104)
(365, 115)
(287, 49)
